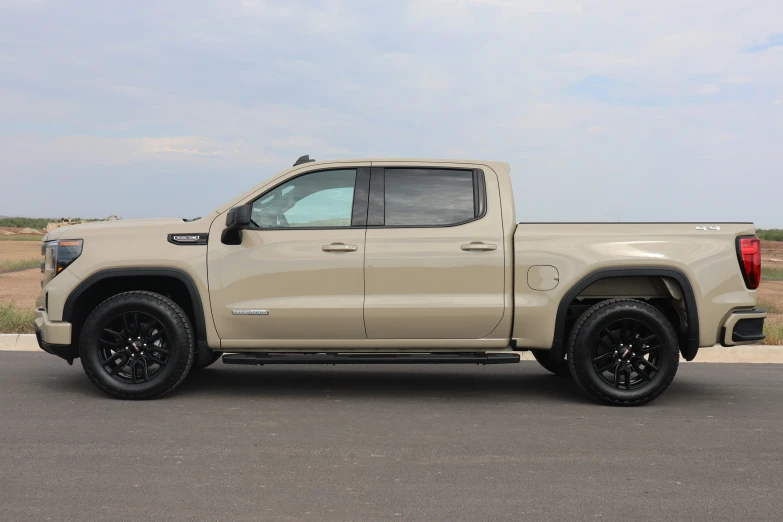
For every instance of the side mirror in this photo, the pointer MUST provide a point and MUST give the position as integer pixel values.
(238, 218)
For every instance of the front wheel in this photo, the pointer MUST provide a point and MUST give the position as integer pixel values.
(623, 352)
(137, 345)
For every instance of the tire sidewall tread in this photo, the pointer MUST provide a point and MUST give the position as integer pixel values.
(165, 310)
(580, 346)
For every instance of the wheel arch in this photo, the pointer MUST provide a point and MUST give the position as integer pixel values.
(689, 345)
(103, 284)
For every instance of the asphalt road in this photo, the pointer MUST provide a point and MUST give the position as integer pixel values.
(506, 442)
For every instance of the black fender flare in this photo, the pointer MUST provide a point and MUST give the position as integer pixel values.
(111, 273)
(691, 347)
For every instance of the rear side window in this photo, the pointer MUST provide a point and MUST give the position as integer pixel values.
(432, 197)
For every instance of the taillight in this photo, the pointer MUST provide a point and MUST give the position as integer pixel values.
(749, 254)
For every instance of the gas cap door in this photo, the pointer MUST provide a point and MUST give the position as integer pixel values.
(542, 277)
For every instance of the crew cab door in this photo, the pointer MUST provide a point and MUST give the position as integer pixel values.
(434, 266)
(298, 274)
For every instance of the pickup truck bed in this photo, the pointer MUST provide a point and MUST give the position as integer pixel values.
(574, 264)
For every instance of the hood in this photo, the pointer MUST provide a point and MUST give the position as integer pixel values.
(131, 227)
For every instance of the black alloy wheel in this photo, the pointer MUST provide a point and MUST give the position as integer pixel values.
(627, 354)
(134, 347)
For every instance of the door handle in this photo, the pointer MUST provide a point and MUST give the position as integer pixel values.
(478, 247)
(339, 247)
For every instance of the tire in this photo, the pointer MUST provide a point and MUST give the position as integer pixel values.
(207, 360)
(636, 344)
(546, 359)
(137, 345)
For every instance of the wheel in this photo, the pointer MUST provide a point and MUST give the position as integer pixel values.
(547, 359)
(207, 360)
(623, 352)
(137, 345)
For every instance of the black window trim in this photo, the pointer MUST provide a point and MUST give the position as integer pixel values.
(360, 200)
(376, 213)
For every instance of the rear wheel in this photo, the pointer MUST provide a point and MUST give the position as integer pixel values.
(623, 352)
(137, 345)
(549, 360)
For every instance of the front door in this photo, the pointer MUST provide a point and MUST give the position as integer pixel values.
(299, 272)
(435, 265)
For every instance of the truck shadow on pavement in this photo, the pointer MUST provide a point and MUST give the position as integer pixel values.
(526, 383)
(400, 383)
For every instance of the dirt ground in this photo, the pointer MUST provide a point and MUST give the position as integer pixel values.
(21, 287)
(19, 250)
(772, 254)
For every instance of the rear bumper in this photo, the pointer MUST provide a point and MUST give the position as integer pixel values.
(744, 327)
(54, 337)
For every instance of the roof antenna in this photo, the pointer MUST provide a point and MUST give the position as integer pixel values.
(303, 159)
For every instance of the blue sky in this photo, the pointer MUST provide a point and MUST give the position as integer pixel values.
(668, 110)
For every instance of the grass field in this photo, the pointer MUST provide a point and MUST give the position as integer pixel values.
(770, 273)
(770, 234)
(14, 319)
(23, 222)
(21, 238)
(774, 333)
(14, 265)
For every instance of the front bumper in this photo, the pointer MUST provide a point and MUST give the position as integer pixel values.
(54, 337)
(744, 327)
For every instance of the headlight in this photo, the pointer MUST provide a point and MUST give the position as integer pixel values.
(58, 255)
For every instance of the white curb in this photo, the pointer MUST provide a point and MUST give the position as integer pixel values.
(756, 354)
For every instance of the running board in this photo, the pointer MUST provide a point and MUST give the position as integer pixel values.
(385, 358)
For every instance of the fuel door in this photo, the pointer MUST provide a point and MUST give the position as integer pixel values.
(542, 277)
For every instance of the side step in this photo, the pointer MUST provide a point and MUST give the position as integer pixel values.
(384, 358)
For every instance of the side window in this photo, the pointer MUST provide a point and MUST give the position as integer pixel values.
(319, 199)
(430, 197)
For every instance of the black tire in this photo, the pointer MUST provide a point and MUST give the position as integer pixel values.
(556, 365)
(137, 345)
(206, 360)
(629, 338)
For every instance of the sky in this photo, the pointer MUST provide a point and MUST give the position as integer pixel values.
(606, 110)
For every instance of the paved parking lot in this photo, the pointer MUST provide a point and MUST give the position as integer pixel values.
(506, 442)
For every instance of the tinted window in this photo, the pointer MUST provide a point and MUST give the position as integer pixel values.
(428, 197)
(320, 199)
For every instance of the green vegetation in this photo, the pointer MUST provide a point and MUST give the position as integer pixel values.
(21, 238)
(774, 333)
(15, 320)
(770, 234)
(15, 265)
(768, 306)
(23, 222)
(769, 273)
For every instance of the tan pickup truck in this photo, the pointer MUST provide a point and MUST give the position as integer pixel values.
(394, 261)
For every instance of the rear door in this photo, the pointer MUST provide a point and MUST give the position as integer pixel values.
(434, 261)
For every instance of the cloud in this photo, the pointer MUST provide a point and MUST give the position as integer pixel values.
(584, 100)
